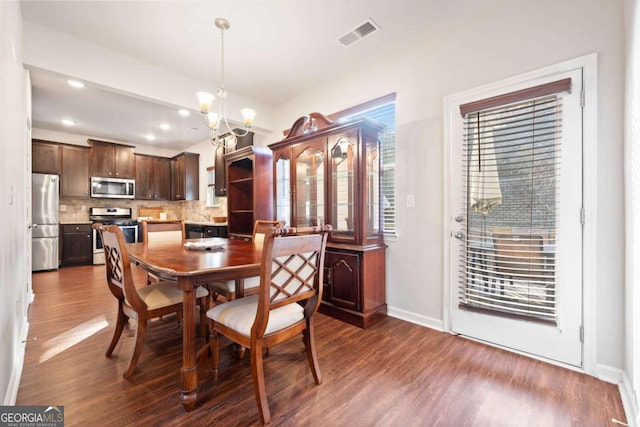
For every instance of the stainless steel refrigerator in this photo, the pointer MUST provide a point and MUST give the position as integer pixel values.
(45, 227)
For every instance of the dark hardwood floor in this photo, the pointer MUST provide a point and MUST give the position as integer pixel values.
(393, 374)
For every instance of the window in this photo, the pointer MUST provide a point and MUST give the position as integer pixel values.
(382, 110)
(211, 186)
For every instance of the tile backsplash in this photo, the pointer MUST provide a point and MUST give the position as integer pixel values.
(73, 209)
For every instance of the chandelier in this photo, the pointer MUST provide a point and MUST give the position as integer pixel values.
(219, 134)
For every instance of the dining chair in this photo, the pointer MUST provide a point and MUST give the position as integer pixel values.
(288, 297)
(139, 303)
(228, 288)
(162, 231)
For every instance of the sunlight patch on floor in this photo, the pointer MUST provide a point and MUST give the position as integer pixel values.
(73, 336)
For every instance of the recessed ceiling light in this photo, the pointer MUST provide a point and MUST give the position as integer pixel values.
(150, 137)
(75, 83)
(165, 126)
(183, 112)
(67, 122)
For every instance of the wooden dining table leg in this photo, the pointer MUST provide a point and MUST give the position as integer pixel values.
(189, 371)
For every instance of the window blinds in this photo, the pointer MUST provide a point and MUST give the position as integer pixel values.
(385, 114)
(512, 150)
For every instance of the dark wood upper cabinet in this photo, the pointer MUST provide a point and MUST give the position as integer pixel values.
(153, 178)
(185, 177)
(75, 171)
(220, 167)
(112, 160)
(45, 157)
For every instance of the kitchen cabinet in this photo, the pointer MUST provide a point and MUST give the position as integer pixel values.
(112, 160)
(329, 173)
(45, 157)
(197, 231)
(220, 167)
(75, 171)
(76, 244)
(185, 177)
(153, 178)
(249, 189)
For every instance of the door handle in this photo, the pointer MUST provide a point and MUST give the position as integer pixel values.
(459, 235)
(459, 218)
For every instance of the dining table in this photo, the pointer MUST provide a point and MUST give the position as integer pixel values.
(193, 263)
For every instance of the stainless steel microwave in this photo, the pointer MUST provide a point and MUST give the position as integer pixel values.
(113, 188)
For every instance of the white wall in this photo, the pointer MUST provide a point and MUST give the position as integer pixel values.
(632, 205)
(14, 146)
(496, 42)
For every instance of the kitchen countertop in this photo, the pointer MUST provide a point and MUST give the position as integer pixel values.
(75, 222)
(207, 223)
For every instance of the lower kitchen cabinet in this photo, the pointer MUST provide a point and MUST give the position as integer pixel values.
(76, 244)
(197, 231)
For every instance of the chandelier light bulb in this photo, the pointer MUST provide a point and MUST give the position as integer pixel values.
(248, 115)
(212, 120)
(205, 100)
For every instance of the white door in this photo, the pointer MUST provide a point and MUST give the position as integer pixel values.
(516, 254)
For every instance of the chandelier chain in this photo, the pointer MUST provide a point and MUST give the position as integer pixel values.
(222, 58)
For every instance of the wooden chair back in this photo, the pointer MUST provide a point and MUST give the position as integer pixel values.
(118, 267)
(291, 271)
(160, 231)
(263, 227)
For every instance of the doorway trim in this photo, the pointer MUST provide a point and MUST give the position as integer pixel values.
(589, 65)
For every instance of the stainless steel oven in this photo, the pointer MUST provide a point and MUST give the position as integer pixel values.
(117, 216)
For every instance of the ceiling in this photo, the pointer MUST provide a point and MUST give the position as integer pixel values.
(274, 50)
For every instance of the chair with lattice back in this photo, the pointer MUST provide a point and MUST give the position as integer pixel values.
(228, 288)
(140, 303)
(288, 296)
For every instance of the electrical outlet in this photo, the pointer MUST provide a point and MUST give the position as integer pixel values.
(83, 208)
(63, 208)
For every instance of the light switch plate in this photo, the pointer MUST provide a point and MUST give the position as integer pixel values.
(411, 201)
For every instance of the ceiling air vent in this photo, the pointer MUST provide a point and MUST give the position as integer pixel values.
(358, 33)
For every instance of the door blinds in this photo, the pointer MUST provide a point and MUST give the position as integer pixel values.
(512, 150)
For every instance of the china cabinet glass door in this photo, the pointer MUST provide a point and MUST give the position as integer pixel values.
(343, 189)
(283, 188)
(371, 190)
(309, 188)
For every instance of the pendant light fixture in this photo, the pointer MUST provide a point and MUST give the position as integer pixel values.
(220, 133)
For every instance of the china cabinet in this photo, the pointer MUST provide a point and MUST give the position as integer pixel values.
(329, 173)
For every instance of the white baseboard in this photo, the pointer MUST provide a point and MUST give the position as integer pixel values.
(608, 374)
(16, 373)
(418, 319)
(629, 401)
